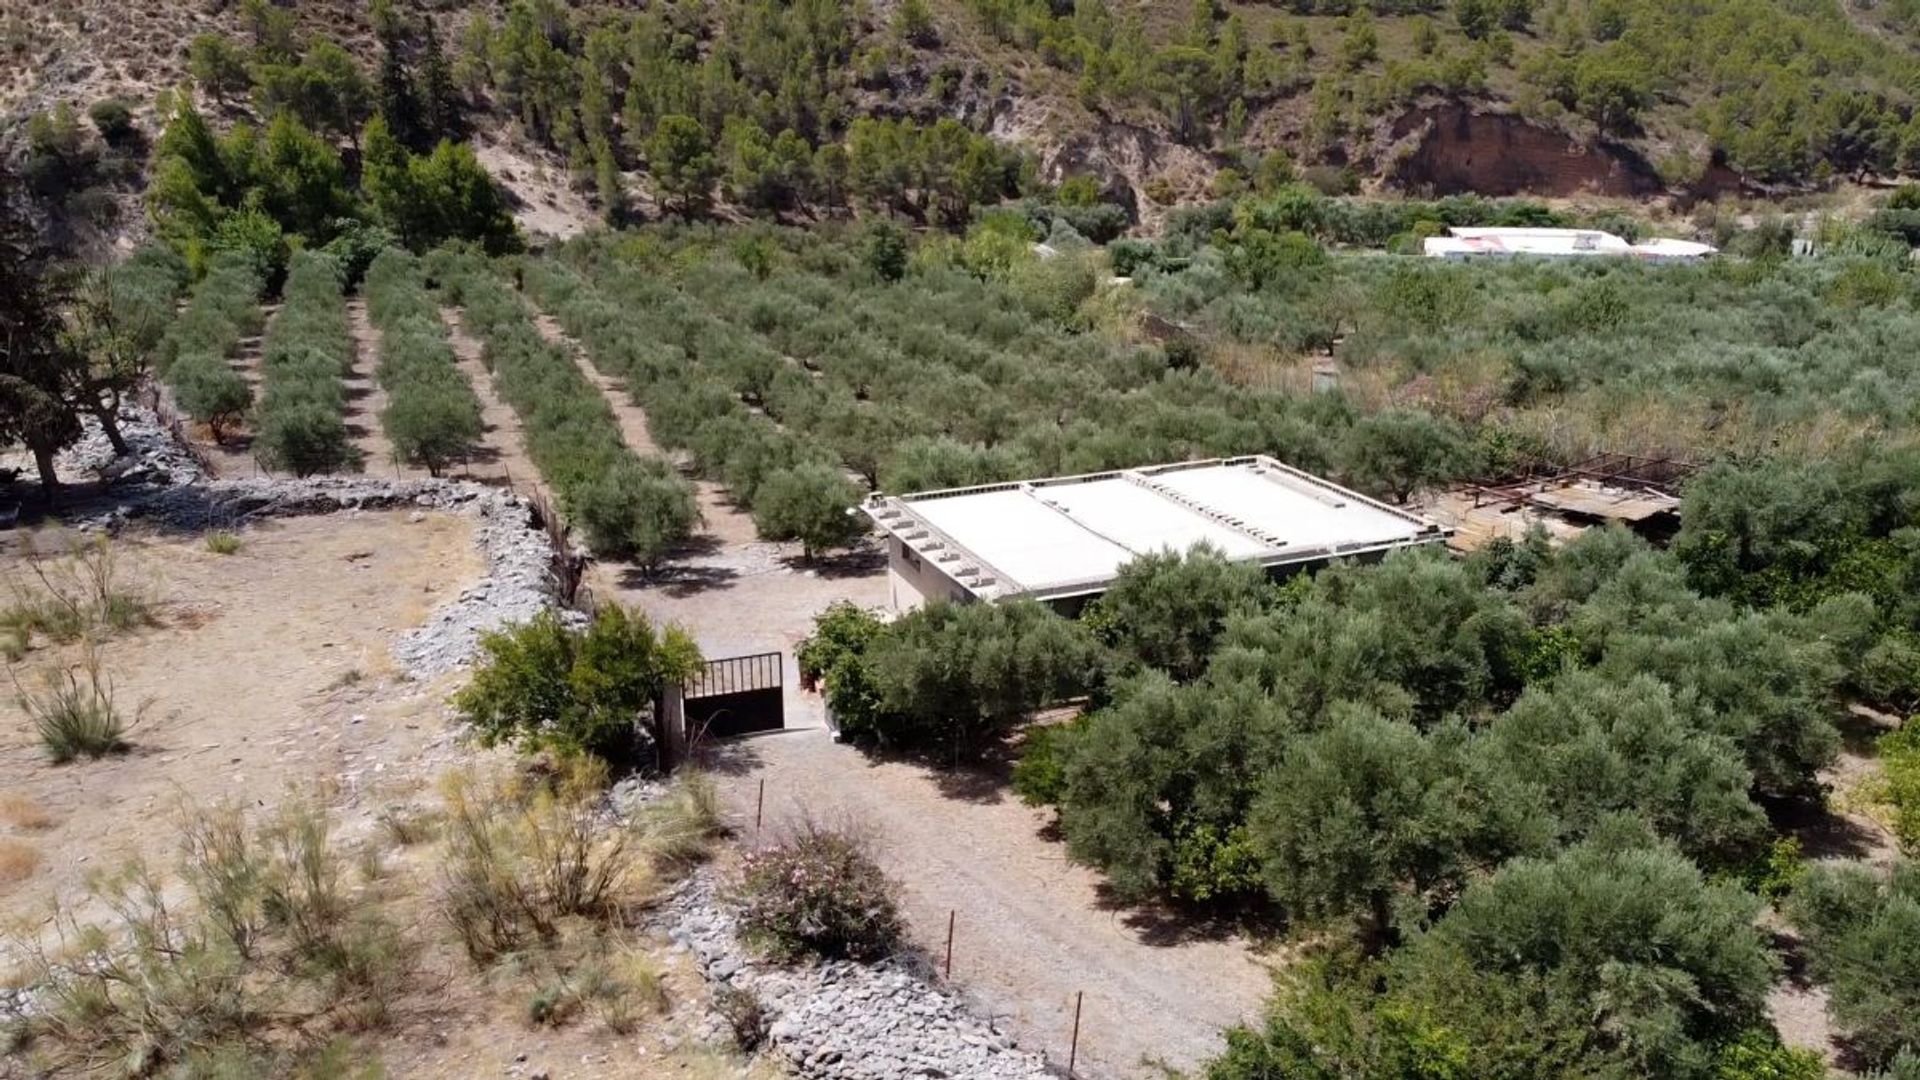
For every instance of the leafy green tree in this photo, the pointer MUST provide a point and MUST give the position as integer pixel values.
(1397, 453)
(544, 686)
(219, 65)
(1364, 811)
(811, 503)
(1168, 609)
(1862, 928)
(680, 157)
(59, 159)
(432, 425)
(956, 675)
(35, 364)
(1611, 959)
(643, 510)
(884, 247)
(300, 179)
(1588, 747)
(326, 91)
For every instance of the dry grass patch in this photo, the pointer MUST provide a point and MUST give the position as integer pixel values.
(22, 813)
(18, 861)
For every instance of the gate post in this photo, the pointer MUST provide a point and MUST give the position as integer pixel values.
(673, 727)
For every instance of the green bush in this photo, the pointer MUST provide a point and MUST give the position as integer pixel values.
(818, 892)
(811, 503)
(594, 691)
(1862, 930)
(113, 119)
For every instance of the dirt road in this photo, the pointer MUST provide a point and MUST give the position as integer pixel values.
(1031, 929)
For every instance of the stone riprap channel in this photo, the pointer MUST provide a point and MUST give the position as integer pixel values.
(840, 1020)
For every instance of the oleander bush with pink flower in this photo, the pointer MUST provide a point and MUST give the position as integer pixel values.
(818, 891)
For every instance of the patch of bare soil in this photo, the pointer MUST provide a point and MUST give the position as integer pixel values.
(502, 457)
(268, 670)
(266, 674)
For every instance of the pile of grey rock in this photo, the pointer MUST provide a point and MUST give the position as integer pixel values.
(153, 456)
(841, 1020)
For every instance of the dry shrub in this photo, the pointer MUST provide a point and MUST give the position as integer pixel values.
(74, 712)
(18, 861)
(24, 814)
(682, 827)
(818, 890)
(520, 857)
(255, 973)
(83, 595)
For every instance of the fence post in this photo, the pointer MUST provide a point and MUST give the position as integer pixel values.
(1073, 1048)
(950, 916)
(759, 804)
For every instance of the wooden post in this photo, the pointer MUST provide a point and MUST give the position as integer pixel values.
(759, 804)
(1073, 1049)
(950, 915)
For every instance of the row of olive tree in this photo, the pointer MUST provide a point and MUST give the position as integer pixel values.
(195, 356)
(309, 348)
(625, 504)
(432, 416)
(794, 494)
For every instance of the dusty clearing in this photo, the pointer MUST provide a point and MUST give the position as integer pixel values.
(268, 671)
(267, 674)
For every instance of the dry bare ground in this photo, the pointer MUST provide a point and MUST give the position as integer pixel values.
(268, 669)
(266, 674)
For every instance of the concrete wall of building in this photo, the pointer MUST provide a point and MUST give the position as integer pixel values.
(913, 580)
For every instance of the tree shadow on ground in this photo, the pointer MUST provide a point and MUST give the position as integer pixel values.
(984, 779)
(1823, 833)
(858, 562)
(1163, 924)
(736, 756)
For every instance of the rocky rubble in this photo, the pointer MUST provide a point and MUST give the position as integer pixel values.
(841, 1020)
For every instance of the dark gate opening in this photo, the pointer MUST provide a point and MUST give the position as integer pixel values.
(737, 695)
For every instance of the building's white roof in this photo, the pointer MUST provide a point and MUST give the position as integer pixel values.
(1464, 242)
(1069, 536)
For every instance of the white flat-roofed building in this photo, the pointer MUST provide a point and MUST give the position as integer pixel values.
(1062, 540)
(1463, 242)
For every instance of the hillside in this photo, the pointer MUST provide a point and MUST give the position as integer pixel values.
(1161, 104)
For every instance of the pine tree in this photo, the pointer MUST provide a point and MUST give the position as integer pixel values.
(439, 98)
(399, 101)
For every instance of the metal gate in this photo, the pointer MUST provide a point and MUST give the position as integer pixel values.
(736, 695)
